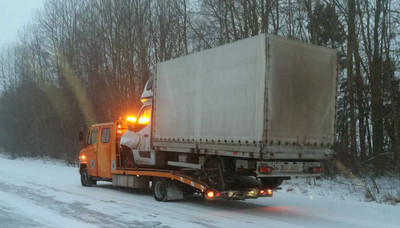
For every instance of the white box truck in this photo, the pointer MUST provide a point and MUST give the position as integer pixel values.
(262, 108)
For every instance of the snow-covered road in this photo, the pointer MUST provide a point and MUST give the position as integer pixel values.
(38, 194)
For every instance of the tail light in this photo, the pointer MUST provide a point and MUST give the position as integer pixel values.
(265, 169)
(212, 194)
(316, 169)
(265, 192)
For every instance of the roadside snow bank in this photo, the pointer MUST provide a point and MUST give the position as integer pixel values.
(42, 160)
(384, 189)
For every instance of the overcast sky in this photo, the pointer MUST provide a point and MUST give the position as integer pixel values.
(14, 14)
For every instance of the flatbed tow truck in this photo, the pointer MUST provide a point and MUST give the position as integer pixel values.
(101, 160)
(231, 122)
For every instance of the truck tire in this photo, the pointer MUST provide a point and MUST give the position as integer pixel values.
(128, 161)
(86, 180)
(160, 189)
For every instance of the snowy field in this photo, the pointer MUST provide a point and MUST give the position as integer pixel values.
(37, 193)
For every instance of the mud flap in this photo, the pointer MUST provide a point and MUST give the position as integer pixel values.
(174, 192)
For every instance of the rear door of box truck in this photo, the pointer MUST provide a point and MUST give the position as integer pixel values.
(301, 88)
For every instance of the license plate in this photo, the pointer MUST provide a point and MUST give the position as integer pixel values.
(291, 168)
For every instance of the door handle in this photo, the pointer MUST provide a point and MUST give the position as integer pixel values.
(146, 135)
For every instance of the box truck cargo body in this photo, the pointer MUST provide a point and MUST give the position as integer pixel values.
(264, 97)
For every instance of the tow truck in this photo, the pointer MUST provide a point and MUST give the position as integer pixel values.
(102, 159)
(231, 122)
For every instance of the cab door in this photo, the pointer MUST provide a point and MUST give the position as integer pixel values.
(104, 152)
(91, 150)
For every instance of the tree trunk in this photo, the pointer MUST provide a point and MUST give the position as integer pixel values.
(350, 83)
(376, 92)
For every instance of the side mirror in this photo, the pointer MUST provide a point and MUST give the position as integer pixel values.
(133, 127)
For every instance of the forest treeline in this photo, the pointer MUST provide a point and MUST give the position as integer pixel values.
(81, 62)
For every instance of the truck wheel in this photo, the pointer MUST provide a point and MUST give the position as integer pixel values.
(215, 173)
(85, 178)
(159, 186)
(128, 161)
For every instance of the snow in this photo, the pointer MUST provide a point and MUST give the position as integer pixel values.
(36, 193)
(378, 190)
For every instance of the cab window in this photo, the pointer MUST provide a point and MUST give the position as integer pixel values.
(105, 135)
(143, 118)
(149, 85)
(92, 137)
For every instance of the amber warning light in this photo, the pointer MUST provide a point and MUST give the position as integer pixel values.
(131, 119)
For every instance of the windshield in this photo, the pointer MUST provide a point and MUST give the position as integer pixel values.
(144, 115)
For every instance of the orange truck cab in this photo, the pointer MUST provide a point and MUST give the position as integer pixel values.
(101, 142)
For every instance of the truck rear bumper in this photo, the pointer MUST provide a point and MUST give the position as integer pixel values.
(239, 195)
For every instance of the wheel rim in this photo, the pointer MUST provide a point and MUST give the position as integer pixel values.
(84, 177)
(160, 189)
